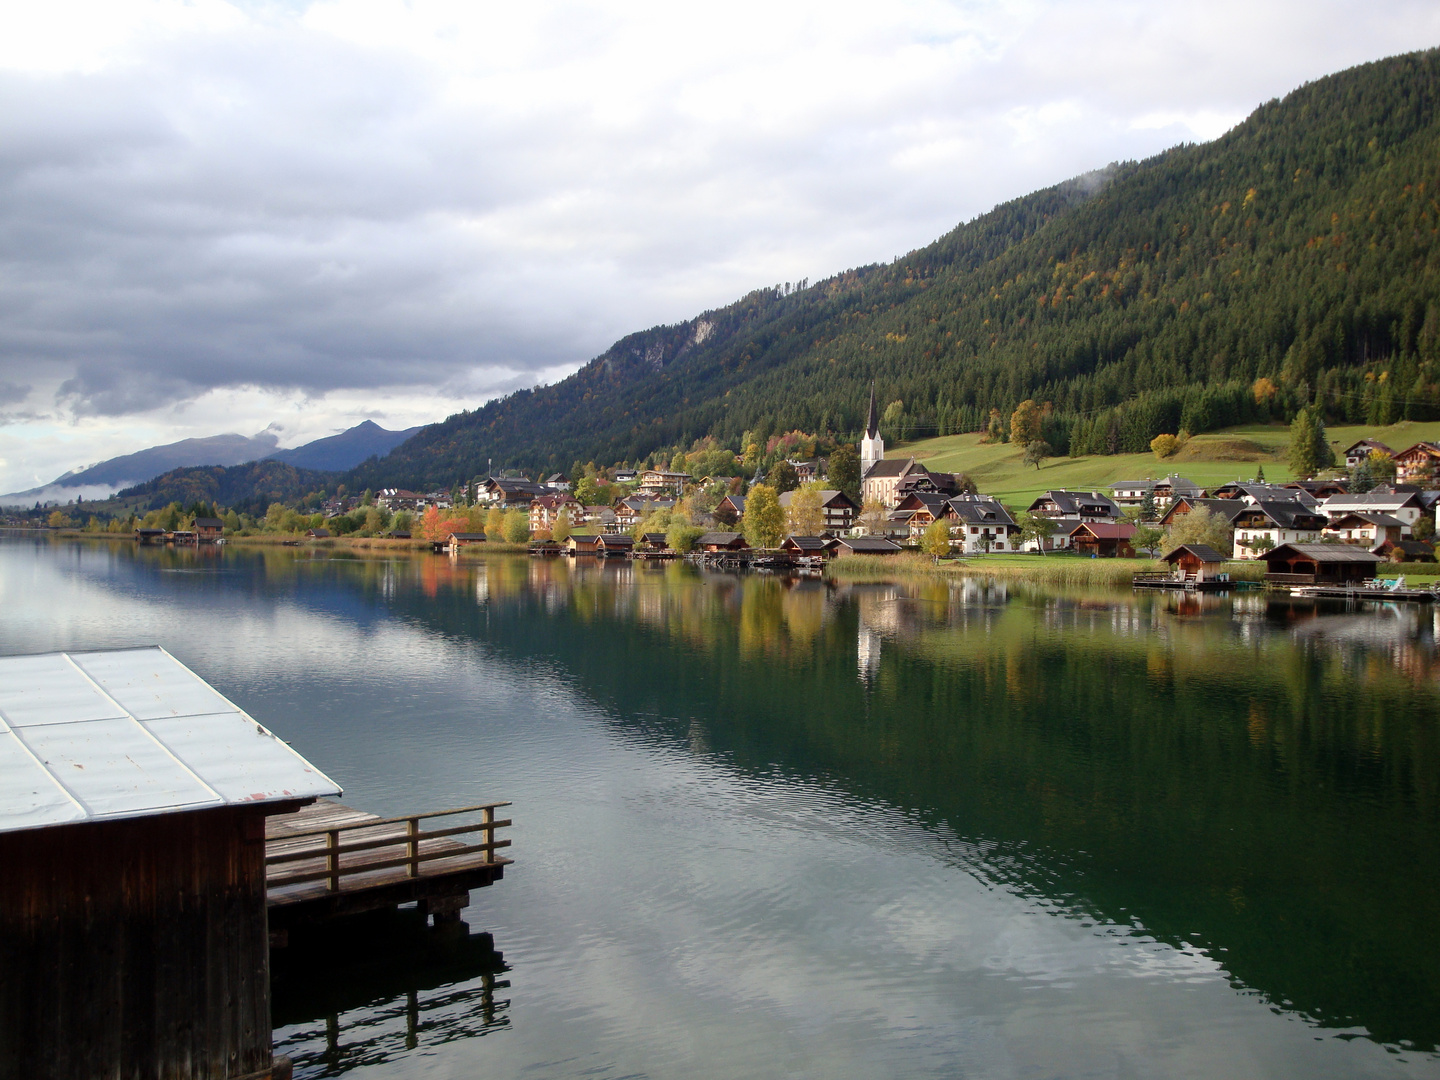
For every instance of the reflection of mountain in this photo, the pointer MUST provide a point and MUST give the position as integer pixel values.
(339, 1004)
(1202, 772)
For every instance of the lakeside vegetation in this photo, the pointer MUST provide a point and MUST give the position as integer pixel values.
(1054, 569)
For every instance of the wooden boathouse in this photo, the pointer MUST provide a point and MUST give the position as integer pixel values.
(135, 917)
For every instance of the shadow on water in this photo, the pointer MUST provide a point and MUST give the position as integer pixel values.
(370, 989)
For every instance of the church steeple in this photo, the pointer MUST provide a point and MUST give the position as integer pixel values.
(872, 447)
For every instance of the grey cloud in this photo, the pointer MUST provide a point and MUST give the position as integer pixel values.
(277, 208)
(13, 393)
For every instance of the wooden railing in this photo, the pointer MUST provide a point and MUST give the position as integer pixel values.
(410, 840)
(1157, 575)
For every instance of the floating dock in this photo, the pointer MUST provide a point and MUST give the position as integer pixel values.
(328, 860)
(1352, 592)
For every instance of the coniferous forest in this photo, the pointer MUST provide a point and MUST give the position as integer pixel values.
(1300, 248)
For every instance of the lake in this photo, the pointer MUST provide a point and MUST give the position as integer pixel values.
(770, 828)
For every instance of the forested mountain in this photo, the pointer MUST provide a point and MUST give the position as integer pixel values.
(1300, 247)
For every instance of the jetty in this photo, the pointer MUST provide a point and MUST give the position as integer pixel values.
(328, 860)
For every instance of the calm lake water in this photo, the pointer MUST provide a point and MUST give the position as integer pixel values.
(785, 829)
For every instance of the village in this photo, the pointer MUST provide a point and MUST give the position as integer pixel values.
(1310, 532)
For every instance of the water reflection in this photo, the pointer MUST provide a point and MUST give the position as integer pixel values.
(375, 988)
(1237, 786)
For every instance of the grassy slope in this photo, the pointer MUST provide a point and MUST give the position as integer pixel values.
(1209, 460)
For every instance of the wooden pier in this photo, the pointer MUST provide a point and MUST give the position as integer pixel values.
(328, 860)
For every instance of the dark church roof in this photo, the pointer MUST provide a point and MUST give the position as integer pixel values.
(872, 423)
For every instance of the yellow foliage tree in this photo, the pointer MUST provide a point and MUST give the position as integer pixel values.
(1164, 445)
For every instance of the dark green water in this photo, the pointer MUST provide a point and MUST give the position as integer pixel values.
(772, 828)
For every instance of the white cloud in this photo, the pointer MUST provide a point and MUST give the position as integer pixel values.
(333, 200)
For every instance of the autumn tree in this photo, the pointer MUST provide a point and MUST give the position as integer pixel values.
(1201, 526)
(1164, 445)
(936, 539)
(805, 516)
(517, 527)
(560, 531)
(995, 429)
(1025, 423)
(872, 516)
(495, 524)
(764, 520)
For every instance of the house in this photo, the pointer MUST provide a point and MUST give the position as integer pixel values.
(1319, 564)
(614, 544)
(1417, 463)
(1163, 492)
(151, 536)
(1413, 550)
(1270, 524)
(1408, 506)
(580, 544)
(392, 499)
(557, 482)
(508, 493)
(1068, 509)
(318, 534)
(917, 511)
(1355, 453)
(804, 545)
(1195, 562)
(1319, 489)
(545, 510)
(456, 540)
(1250, 491)
(882, 482)
(133, 927)
(721, 541)
(625, 476)
(1104, 539)
(730, 509)
(599, 518)
(633, 509)
(980, 525)
(1367, 530)
(655, 541)
(837, 508)
(1226, 508)
(658, 483)
(862, 545)
(209, 529)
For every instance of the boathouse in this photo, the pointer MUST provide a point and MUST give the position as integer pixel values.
(721, 541)
(457, 540)
(1319, 564)
(580, 544)
(620, 544)
(133, 930)
(209, 529)
(804, 545)
(1195, 562)
(862, 545)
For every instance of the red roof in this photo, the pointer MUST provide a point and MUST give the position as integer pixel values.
(1106, 530)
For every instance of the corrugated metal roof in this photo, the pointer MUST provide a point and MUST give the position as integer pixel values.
(106, 735)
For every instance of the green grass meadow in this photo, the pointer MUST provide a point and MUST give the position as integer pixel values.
(1209, 460)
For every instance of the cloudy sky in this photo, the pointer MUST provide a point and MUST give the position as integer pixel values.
(225, 216)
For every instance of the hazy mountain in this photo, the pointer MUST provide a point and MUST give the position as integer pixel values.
(98, 481)
(346, 450)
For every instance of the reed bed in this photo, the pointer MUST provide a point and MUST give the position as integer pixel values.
(1039, 569)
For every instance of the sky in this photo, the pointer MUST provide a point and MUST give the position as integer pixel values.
(295, 216)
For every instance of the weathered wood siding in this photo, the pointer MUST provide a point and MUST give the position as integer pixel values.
(136, 949)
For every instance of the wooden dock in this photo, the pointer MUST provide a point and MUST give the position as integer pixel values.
(1356, 592)
(328, 860)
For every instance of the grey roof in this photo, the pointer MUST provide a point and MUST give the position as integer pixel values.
(1327, 553)
(1204, 552)
(1371, 500)
(1074, 503)
(806, 543)
(827, 495)
(718, 538)
(1383, 520)
(1226, 508)
(1286, 514)
(896, 467)
(980, 511)
(874, 544)
(107, 735)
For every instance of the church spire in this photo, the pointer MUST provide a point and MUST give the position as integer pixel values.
(872, 423)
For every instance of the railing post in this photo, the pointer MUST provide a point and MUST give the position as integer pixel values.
(412, 829)
(332, 859)
(488, 817)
